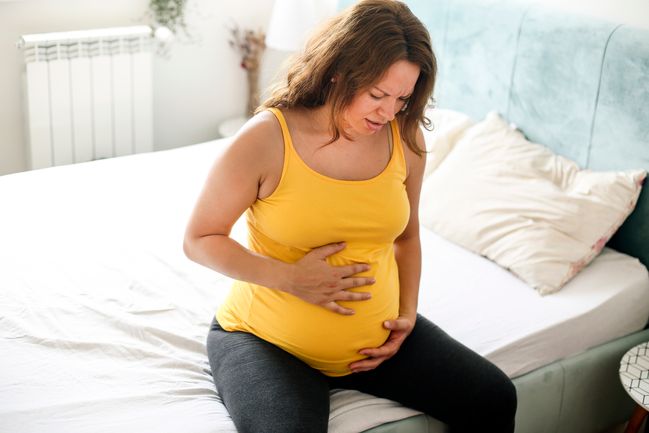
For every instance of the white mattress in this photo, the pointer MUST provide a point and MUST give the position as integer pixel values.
(103, 320)
(499, 316)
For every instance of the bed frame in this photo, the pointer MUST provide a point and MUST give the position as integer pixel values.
(579, 86)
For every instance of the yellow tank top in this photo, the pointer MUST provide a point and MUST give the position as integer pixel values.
(308, 210)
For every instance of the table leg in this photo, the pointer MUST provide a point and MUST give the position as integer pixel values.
(639, 414)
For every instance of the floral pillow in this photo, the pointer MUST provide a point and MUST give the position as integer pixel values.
(517, 203)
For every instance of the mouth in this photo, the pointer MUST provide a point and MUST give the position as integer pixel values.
(373, 126)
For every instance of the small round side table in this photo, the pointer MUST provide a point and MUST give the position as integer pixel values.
(634, 375)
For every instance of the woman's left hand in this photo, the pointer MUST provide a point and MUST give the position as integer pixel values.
(399, 328)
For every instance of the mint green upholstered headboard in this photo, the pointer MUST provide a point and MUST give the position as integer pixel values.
(575, 84)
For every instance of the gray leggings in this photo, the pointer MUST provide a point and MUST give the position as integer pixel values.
(267, 390)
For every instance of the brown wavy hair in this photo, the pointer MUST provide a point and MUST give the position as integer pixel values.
(357, 47)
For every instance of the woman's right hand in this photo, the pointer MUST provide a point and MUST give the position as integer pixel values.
(315, 281)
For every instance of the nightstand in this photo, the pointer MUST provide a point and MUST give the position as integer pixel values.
(634, 375)
(229, 127)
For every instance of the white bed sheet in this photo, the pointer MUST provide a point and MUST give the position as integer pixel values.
(103, 320)
(499, 316)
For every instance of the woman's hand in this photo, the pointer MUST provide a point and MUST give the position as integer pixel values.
(317, 282)
(399, 328)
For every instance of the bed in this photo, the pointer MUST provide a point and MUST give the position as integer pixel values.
(103, 320)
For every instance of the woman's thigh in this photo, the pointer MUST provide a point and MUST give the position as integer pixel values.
(437, 375)
(264, 388)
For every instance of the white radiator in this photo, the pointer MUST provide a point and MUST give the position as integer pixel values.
(88, 94)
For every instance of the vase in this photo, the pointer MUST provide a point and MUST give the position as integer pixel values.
(253, 90)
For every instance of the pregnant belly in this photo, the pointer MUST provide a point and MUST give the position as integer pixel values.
(325, 340)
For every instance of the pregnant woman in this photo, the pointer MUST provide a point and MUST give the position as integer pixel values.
(328, 173)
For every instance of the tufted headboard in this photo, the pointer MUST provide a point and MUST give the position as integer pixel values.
(575, 84)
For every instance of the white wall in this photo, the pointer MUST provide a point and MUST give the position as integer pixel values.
(198, 85)
(202, 83)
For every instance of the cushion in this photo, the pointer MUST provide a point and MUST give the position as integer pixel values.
(448, 127)
(531, 211)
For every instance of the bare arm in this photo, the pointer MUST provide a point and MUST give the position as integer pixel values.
(407, 246)
(248, 166)
(231, 187)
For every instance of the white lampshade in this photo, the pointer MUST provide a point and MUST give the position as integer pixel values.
(291, 21)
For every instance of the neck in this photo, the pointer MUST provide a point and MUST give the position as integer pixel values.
(319, 119)
(320, 122)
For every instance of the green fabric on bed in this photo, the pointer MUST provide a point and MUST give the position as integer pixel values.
(621, 127)
(554, 88)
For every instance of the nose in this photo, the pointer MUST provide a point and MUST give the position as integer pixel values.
(389, 108)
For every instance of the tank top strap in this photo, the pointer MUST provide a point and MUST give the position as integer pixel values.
(397, 146)
(288, 143)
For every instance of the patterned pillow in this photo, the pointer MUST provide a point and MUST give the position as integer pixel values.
(517, 203)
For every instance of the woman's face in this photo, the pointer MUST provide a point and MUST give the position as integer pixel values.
(376, 105)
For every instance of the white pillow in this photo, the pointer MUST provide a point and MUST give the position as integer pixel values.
(531, 211)
(448, 126)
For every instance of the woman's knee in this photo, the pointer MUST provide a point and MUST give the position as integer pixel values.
(264, 388)
(279, 414)
(494, 407)
(505, 396)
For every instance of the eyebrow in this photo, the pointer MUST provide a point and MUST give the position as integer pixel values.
(387, 94)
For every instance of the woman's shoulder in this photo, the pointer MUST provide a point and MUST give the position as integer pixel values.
(261, 135)
(256, 149)
(259, 129)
